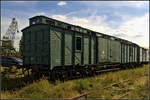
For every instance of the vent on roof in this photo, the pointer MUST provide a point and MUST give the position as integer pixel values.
(64, 26)
(84, 31)
(77, 29)
(99, 35)
(112, 38)
(72, 28)
(69, 27)
(51, 22)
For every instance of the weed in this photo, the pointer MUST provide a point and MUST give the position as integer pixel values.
(42, 88)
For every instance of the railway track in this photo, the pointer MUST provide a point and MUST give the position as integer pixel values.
(85, 95)
(98, 72)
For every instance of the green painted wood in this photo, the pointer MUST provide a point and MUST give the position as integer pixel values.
(123, 54)
(55, 46)
(63, 48)
(73, 49)
(132, 53)
(68, 48)
(34, 50)
(128, 52)
(78, 54)
(135, 54)
(78, 58)
(82, 53)
(108, 50)
(115, 51)
(86, 50)
(93, 50)
(102, 49)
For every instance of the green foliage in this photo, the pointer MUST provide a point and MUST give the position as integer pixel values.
(5, 51)
(81, 85)
(38, 89)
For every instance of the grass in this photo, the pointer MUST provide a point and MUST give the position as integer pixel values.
(137, 87)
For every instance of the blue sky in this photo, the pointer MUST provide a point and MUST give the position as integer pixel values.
(125, 19)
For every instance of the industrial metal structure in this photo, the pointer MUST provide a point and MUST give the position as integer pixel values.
(61, 49)
(9, 40)
(11, 31)
(10, 35)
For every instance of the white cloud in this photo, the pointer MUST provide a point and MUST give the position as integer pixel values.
(116, 4)
(40, 13)
(137, 4)
(23, 2)
(96, 23)
(135, 29)
(61, 3)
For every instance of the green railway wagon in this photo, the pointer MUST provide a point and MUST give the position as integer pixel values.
(54, 46)
(109, 50)
(135, 53)
(141, 54)
(144, 55)
(115, 50)
(103, 50)
(122, 52)
(147, 55)
(51, 44)
(36, 45)
(129, 53)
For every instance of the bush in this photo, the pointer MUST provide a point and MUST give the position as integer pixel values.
(82, 85)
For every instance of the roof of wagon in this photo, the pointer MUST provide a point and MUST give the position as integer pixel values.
(34, 25)
(90, 31)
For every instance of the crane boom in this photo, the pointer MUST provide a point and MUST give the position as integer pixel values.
(11, 31)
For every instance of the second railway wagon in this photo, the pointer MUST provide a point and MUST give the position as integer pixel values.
(49, 44)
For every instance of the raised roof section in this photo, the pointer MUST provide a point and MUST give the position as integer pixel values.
(46, 20)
